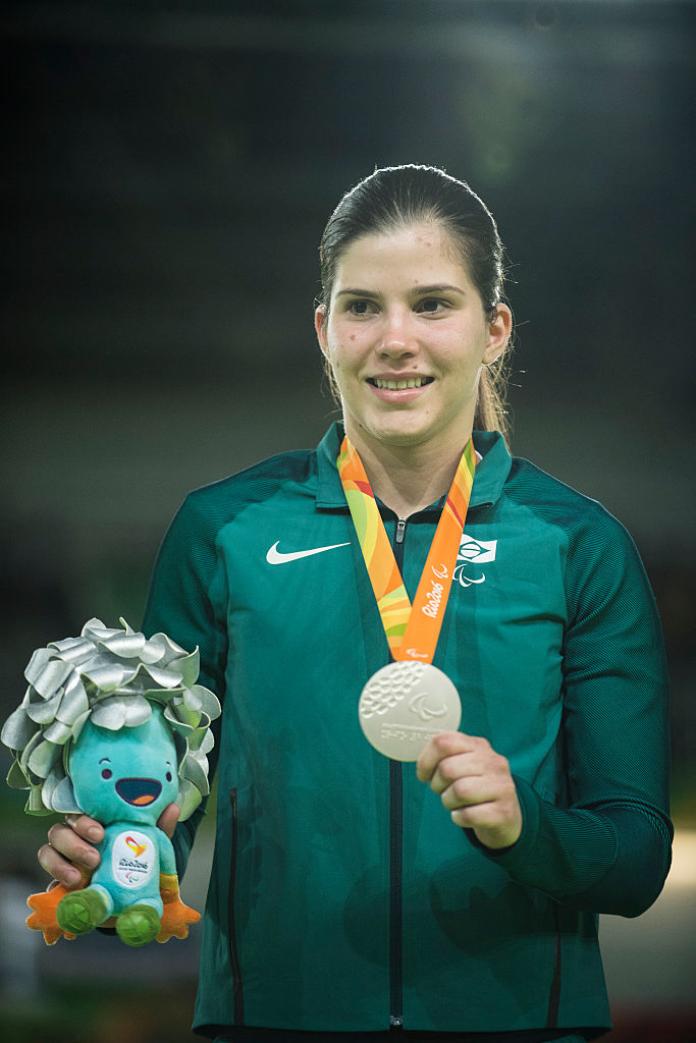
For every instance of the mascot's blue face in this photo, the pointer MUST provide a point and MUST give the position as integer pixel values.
(130, 774)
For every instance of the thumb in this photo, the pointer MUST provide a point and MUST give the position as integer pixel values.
(168, 819)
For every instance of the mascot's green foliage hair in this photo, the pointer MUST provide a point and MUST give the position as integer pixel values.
(112, 677)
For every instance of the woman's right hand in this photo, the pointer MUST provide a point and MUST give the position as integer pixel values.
(70, 854)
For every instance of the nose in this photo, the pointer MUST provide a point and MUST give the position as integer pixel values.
(397, 339)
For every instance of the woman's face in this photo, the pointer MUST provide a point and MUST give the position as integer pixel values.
(406, 336)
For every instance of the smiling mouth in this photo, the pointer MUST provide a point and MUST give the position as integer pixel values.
(140, 792)
(399, 385)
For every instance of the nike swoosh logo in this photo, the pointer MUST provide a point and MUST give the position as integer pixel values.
(277, 557)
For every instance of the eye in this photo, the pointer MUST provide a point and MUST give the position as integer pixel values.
(168, 776)
(360, 307)
(425, 304)
(107, 773)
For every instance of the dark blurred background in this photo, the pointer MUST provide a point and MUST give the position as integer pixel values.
(167, 170)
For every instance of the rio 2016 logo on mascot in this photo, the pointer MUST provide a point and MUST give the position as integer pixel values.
(115, 726)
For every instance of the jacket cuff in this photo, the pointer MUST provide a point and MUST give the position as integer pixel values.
(182, 843)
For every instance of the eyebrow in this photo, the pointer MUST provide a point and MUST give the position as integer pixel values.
(435, 288)
(105, 759)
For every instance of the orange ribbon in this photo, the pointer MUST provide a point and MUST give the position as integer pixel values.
(412, 630)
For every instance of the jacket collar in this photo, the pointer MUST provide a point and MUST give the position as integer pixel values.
(489, 478)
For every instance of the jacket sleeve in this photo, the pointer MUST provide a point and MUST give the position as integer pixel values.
(186, 602)
(608, 849)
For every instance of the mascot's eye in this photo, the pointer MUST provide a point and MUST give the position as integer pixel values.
(107, 773)
(168, 776)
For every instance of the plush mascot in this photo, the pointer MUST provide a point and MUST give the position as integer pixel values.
(115, 726)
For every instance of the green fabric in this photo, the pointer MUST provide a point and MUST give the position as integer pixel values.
(237, 1036)
(552, 639)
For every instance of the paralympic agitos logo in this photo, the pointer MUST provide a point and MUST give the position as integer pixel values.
(471, 554)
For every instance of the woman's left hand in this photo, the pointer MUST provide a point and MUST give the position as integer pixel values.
(475, 785)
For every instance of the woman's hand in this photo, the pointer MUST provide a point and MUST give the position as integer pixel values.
(70, 856)
(475, 785)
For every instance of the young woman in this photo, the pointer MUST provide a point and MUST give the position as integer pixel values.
(353, 894)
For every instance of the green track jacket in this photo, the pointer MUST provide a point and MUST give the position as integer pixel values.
(342, 896)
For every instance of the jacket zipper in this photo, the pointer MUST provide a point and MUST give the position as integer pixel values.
(232, 927)
(555, 991)
(396, 836)
(396, 831)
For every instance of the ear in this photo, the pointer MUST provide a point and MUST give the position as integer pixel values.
(320, 320)
(499, 331)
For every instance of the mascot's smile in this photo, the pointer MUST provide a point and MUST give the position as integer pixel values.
(139, 791)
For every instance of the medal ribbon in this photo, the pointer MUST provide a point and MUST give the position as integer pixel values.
(412, 630)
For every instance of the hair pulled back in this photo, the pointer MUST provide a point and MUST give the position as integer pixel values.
(392, 197)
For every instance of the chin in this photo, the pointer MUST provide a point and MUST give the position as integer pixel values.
(407, 431)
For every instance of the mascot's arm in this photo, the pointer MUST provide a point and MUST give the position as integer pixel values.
(176, 916)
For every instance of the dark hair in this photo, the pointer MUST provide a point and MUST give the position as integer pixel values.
(395, 196)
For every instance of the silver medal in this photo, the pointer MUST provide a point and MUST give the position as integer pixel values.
(404, 704)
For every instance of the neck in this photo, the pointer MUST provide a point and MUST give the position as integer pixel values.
(407, 478)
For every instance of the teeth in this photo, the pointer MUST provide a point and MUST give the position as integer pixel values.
(399, 385)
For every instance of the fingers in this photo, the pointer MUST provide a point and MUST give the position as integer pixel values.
(62, 871)
(445, 745)
(169, 818)
(466, 791)
(460, 766)
(497, 823)
(68, 856)
(475, 777)
(481, 816)
(475, 785)
(86, 827)
(484, 814)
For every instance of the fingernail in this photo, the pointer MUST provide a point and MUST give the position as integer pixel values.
(94, 833)
(73, 876)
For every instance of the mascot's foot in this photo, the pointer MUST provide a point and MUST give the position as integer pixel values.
(81, 911)
(176, 918)
(43, 915)
(138, 925)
